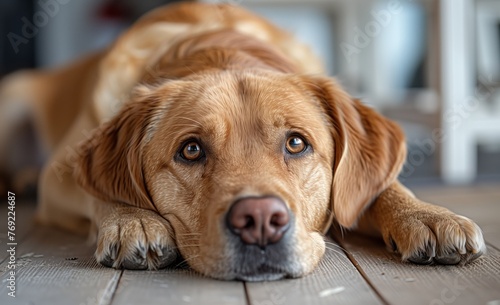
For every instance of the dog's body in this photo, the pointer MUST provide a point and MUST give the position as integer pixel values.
(200, 133)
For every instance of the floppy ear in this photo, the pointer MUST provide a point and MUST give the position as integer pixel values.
(369, 150)
(109, 164)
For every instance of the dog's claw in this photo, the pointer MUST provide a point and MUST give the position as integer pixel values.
(421, 259)
(448, 258)
(169, 255)
(157, 249)
(393, 245)
(107, 261)
(135, 263)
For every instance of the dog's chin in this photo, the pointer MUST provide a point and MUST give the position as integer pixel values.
(263, 273)
(260, 277)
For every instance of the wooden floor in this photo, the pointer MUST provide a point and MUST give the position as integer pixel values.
(58, 268)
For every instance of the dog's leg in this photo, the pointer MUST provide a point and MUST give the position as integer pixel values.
(61, 202)
(132, 238)
(421, 232)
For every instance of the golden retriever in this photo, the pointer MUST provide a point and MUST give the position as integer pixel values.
(204, 132)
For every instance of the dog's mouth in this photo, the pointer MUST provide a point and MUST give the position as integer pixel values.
(252, 263)
(249, 272)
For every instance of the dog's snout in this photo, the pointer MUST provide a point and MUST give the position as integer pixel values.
(259, 221)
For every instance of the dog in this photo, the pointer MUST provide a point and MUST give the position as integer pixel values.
(205, 133)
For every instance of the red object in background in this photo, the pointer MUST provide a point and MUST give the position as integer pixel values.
(114, 10)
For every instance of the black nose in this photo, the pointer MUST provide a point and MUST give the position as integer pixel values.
(259, 221)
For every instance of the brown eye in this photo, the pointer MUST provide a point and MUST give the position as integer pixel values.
(192, 151)
(295, 145)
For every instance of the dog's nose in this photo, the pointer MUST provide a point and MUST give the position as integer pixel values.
(259, 221)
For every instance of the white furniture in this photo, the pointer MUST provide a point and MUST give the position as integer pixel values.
(466, 118)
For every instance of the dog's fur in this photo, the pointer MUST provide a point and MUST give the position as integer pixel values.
(115, 122)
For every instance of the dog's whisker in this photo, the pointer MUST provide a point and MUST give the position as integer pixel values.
(340, 262)
(190, 119)
(336, 245)
(342, 231)
(186, 261)
(190, 238)
(182, 125)
(335, 250)
(193, 245)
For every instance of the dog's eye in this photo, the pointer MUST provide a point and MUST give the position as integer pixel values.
(295, 145)
(192, 151)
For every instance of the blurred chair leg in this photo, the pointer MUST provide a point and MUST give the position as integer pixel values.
(457, 84)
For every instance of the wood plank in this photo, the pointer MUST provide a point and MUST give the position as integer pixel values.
(335, 281)
(478, 202)
(398, 283)
(25, 211)
(176, 286)
(53, 268)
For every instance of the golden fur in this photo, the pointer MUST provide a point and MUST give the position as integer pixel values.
(240, 87)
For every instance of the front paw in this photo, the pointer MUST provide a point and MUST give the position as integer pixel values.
(435, 235)
(135, 239)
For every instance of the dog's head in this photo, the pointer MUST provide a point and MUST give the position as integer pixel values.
(248, 167)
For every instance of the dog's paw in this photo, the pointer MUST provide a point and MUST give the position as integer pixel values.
(437, 236)
(139, 239)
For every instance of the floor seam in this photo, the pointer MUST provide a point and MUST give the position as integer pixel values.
(109, 292)
(247, 295)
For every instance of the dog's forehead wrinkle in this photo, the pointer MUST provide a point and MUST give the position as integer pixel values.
(244, 99)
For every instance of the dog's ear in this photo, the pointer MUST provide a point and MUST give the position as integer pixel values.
(109, 162)
(369, 150)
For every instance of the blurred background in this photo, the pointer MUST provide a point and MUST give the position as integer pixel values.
(431, 65)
